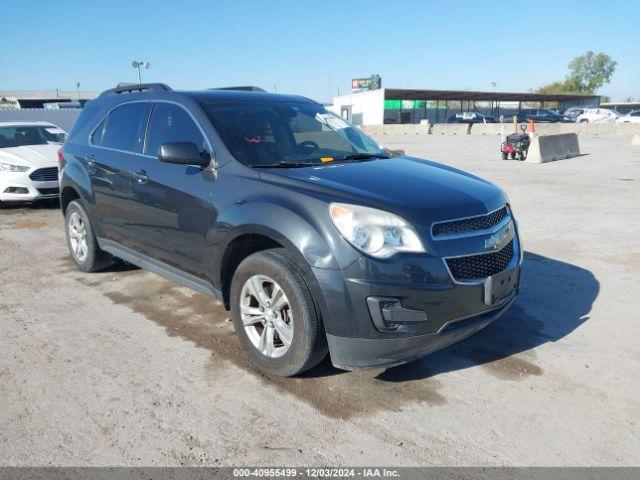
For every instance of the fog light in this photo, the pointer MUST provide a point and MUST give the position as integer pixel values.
(388, 314)
(19, 190)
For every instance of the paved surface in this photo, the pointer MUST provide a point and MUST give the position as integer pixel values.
(124, 368)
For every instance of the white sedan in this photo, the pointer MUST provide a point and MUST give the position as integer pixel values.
(631, 117)
(597, 115)
(29, 160)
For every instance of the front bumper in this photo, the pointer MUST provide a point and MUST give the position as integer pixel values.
(18, 187)
(434, 310)
(362, 353)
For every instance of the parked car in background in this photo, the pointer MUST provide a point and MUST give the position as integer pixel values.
(471, 117)
(598, 115)
(573, 112)
(541, 115)
(29, 160)
(305, 228)
(631, 117)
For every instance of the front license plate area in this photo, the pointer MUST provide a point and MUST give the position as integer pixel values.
(500, 286)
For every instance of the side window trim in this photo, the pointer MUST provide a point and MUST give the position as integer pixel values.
(152, 108)
(146, 123)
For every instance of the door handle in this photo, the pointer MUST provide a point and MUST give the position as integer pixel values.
(141, 176)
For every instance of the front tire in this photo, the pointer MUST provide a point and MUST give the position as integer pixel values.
(81, 240)
(274, 314)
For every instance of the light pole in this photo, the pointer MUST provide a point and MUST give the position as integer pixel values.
(137, 64)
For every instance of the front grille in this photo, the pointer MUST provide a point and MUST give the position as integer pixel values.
(49, 174)
(481, 222)
(475, 267)
(49, 191)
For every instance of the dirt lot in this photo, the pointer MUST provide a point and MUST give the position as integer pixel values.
(125, 368)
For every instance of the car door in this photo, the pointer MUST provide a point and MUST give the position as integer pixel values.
(114, 144)
(527, 115)
(171, 213)
(542, 116)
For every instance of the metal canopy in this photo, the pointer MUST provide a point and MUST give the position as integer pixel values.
(410, 94)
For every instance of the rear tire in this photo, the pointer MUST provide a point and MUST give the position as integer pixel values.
(274, 314)
(81, 240)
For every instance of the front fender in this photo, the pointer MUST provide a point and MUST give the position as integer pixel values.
(301, 231)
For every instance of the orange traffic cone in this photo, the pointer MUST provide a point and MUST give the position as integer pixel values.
(532, 127)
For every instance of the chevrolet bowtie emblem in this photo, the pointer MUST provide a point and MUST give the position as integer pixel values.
(497, 240)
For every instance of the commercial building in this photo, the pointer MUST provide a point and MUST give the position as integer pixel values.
(622, 107)
(395, 105)
(13, 99)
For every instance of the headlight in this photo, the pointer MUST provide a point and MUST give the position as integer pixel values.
(374, 232)
(9, 167)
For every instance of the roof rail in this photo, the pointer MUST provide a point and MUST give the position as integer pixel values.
(247, 88)
(137, 87)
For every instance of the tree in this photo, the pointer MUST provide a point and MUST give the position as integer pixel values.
(587, 73)
(555, 87)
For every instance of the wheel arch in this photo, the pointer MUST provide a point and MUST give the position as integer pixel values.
(246, 241)
(68, 195)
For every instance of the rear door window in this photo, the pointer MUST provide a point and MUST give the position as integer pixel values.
(120, 128)
(171, 123)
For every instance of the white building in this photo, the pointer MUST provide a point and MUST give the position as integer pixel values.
(394, 105)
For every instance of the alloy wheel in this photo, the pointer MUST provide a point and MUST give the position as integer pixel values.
(266, 316)
(78, 236)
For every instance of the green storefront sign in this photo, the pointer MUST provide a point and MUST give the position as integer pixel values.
(412, 104)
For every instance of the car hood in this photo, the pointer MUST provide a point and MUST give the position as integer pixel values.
(32, 155)
(418, 189)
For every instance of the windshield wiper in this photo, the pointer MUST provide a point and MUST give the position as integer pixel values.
(287, 165)
(362, 156)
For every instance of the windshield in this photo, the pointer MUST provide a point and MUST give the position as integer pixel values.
(18, 136)
(271, 133)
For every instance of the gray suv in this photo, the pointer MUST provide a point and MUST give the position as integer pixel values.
(317, 239)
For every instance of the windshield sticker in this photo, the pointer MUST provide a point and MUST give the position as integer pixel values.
(332, 121)
(256, 139)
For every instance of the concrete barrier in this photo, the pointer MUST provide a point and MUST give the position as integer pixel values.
(582, 129)
(403, 129)
(62, 118)
(491, 128)
(451, 129)
(625, 129)
(635, 140)
(548, 148)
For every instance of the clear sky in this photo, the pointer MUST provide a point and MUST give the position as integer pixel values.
(313, 48)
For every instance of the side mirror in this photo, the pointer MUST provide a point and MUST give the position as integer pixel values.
(183, 153)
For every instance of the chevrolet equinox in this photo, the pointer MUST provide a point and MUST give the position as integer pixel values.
(316, 238)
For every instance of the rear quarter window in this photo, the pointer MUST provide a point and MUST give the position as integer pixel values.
(86, 115)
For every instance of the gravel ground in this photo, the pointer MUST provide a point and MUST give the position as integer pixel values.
(125, 368)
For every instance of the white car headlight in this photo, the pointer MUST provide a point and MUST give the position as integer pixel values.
(374, 232)
(9, 167)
